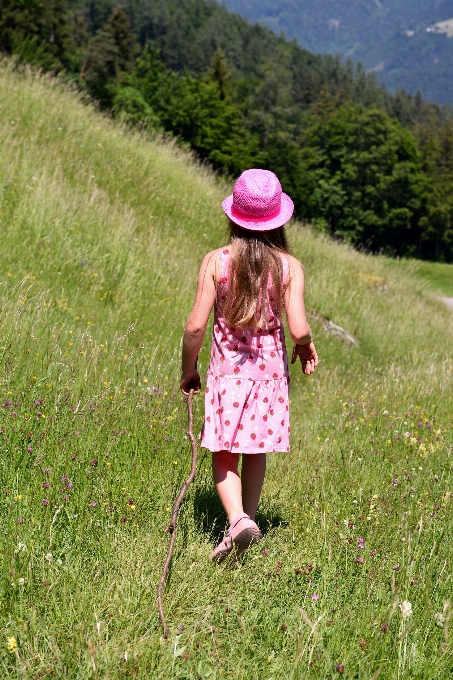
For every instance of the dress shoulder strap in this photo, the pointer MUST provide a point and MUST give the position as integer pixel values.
(224, 258)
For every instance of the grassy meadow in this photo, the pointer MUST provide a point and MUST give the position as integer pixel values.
(102, 232)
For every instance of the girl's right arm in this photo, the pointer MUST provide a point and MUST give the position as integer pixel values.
(196, 323)
(298, 327)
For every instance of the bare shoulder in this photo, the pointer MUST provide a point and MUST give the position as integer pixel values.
(296, 270)
(210, 265)
(210, 259)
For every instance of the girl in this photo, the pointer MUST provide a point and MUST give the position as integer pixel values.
(249, 283)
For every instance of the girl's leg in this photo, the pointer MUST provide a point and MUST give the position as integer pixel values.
(228, 482)
(252, 475)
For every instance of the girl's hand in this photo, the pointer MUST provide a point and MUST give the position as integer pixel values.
(190, 381)
(307, 355)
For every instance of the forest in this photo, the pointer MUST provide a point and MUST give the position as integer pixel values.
(367, 166)
(396, 38)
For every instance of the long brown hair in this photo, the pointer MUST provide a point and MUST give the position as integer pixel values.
(254, 256)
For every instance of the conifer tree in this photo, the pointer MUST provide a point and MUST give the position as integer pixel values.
(37, 31)
(118, 26)
(219, 72)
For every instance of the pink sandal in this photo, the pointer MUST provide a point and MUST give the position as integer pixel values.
(242, 533)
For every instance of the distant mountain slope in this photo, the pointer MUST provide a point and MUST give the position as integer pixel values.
(400, 39)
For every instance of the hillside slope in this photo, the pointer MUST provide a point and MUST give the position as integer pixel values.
(102, 234)
(389, 37)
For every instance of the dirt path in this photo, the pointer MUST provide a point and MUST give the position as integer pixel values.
(448, 301)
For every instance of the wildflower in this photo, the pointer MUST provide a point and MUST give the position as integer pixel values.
(283, 627)
(439, 618)
(48, 557)
(45, 501)
(406, 609)
(394, 481)
(361, 543)
(339, 668)
(384, 628)
(21, 582)
(69, 485)
(21, 548)
(373, 553)
(360, 560)
(363, 644)
(265, 552)
(20, 520)
(315, 597)
(93, 504)
(11, 645)
(94, 462)
(123, 519)
(64, 478)
(396, 567)
(47, 471)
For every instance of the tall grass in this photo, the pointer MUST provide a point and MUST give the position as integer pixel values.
(102, 233)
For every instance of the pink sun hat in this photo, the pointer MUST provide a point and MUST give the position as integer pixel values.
(258, 202)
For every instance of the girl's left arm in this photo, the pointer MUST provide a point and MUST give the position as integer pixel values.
(196, 323)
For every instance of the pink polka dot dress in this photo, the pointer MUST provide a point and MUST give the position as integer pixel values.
(246, 397)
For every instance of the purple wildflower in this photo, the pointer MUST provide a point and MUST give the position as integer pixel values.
(315, 597)
(45, 501)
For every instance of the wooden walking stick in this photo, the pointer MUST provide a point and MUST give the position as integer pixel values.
(171, 529)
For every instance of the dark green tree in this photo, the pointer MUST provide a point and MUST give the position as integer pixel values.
(112, 52)
(363, 177)
(101, 66)
(219, 72)
(118, 26)
(37, 31)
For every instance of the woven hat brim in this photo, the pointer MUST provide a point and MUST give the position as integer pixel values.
(260, 224)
